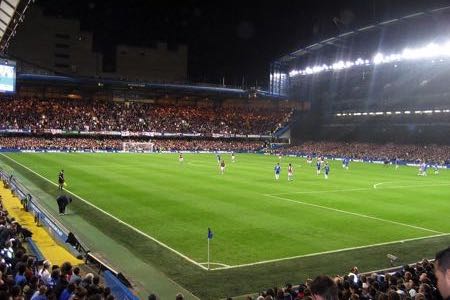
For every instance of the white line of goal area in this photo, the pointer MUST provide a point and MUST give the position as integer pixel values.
(113, 217)
(201, 265)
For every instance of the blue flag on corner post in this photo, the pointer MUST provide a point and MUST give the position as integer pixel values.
(210, 234)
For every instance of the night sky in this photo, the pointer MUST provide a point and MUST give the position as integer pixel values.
(235, 40)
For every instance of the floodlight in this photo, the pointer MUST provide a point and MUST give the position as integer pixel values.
(378, 58)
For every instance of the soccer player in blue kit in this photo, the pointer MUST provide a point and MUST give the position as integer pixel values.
(327, 170)
(318, 166)
(277, 170)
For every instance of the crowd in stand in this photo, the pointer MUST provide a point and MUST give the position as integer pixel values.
(423, 281)
(59, 143)
(210, 145)
(23, 278)
(434, 153)
(92, 144)
(80, 115)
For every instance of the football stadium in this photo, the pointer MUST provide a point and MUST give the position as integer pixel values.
(124, 177)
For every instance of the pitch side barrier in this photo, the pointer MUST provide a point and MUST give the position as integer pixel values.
(116, 281)
(43, 150)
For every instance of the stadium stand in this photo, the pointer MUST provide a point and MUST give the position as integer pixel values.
(70, 115)
(403, 102)
(369, 151)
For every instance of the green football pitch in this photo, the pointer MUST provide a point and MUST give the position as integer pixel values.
(265, 232)
(255, 219)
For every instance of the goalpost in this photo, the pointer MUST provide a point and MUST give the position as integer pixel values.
(138, 146)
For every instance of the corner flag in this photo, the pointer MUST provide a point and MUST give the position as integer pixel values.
(210, 234)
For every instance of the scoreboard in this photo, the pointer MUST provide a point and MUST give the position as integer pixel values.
(7, 76)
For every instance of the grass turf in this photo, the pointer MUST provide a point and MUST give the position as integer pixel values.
(254, 217)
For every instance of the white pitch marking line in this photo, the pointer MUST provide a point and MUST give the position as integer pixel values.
(115, 218)
(359, 189)
(213, 263)
(354, 214)
(380, 183)
(318, 192)
(330, 252)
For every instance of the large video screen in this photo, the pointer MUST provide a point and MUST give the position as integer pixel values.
(7, 76)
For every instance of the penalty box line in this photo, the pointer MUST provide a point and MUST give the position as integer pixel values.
(354, 214)
(113, 217)
(361, 189)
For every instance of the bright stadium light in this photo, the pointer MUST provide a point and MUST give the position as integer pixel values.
(338, 66)
(389, 113)
(378, 58)
(431, 50)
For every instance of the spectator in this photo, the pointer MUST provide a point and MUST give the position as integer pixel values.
(324, 288)
(442, 272)
(179, 296)
(41, 293)
(75, 278)
(67, 292)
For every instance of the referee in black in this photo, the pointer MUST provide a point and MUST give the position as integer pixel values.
(63, 201)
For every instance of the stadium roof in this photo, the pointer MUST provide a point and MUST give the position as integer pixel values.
(12, 12)
(341, 39)
(151, 87)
